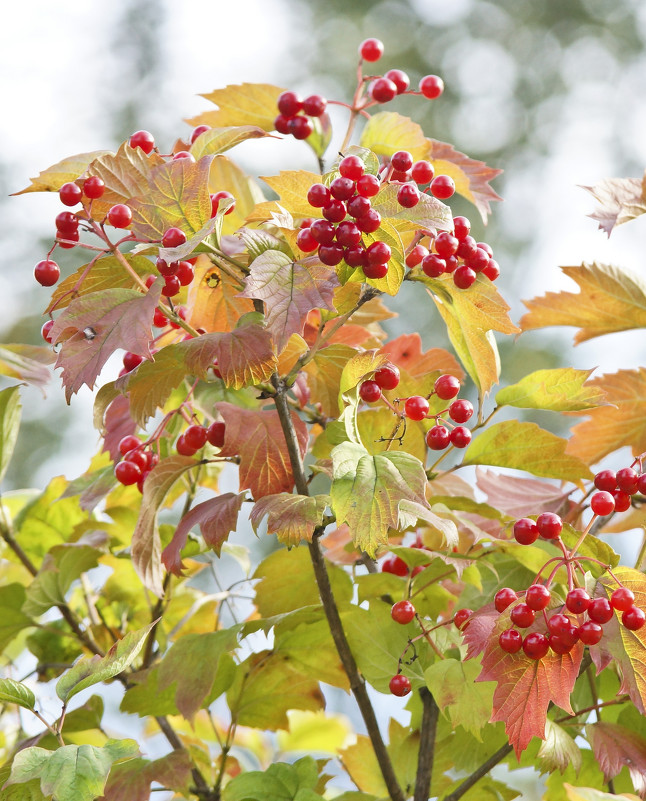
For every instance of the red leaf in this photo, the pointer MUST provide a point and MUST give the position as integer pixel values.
(519, 497)
(95, 325)
(406, 352)
(292, 517)
(620, 200)
(290, 289)
(217, 518)
(616, 746)
(256, 436)
(117, 424)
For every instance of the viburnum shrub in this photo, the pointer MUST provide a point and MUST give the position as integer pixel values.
(248, 339)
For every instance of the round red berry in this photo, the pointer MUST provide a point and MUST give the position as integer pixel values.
(399, 78)
(622, 599)
(143, 140)
(461, 617)
(438, 437)
(549, 525)
(402, 612)
(120, 216)
(215, 434)
(633, 618)
(433, 265)
(173, 237)
(395, 565)
(525, 531)
(559, 644)
(422, 172)
(281, 124)
(185, 273)
(318, 195)
(128, 443)
(401, 161)
(504, 598)
(331, 254)
(67, 222)
(314, 105)
(641, 484)
(369, 391)
(93, 187)
(352, 167)
(461, 410)
(492, 270)
(408, 196)
(131, 360)
(577, 600)
(464, 277)
(417, 254)
(166, 268)
(460, 437)
(510, 641)
(45, 331)
(536, 645)
(590, 632)
(374, 270)
(371, 49)
(198, 131)
(127, 473)
(399, 685)
(184, 154)
(216, 197)
(602, 503)
(355, 256)
(627, 480)
(378, 253)
(323, 231)
(537, 597)
(47, 272)
(447, 386)
(195, 437)
(622, 500)
(70, 194)
(446, 244)
(289, 104)
(559, 624)
(368, 185)
(461, 227)
(442, 187)
(171, 286)
(387, 377)
(334, 211)
(300, 127)
(342, 188)
(600, 610)
(606, 480)
(431, 86)
(416, 407)
(359, 208)
(382, 90)
(522, 615)
(306, 241)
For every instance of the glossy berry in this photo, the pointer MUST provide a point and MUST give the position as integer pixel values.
(184, 154)
(627, 480)
(408, 196)
(461, 617)
(173, 237)
(314, 105)
(185, 273)
(359, 208)
(461, 410)
(590, 633)
(641, 484)
(492, 270)
(47, 272)
(370, 391)
(138, 457)
(401, 161)
(131, 360)
(504, 598)
(460, 437)
(331, 254)
(416, 407)
(399, 78)
(431, 86)
(355, 256)
(399, 685)
(335, 211)
(549, 525)
(374, 270)
(171, 286)
(195, 437)
(143, 140)
(387, 377)
(215, 434)
(67, 222)
(159, 319)
(559, 624)
(289, 104)
(306, 241)
(281, 124)
(128, 443)
(368, 185)
(198, 131)
(577, 600)
(93, 187)
(183, 448)
(537, 597)
(352, 167)
(525, 531)
(464, 277)
(300, 127)
(371, 49)
(522, 615)
(602, 503)
(447, 386)
(382, 90)
(166, 268)
(446, 244)
(433, 265)
(633, 618)
(318, 195)
(600, 610)
(378, 253)
(510, 641)
(395, 565)
(323, 231)
(120, 216)
(45, 331)
(438, 438)
(402, 612)
(461, 227)
(442, 187)
(216, 197)
(622, 500)
(70, 194)
(536, 645)
(422, 172)
(342, 188)
(417, 254)
(606, 480)
(71, 239)
(127, 473)
(560, 645)
(622, 599)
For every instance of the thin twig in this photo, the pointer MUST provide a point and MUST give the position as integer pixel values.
(479, 773)
(426, 746)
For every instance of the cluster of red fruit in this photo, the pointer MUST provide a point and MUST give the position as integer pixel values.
(416, 407)
(296, 114)
(616, 489)
(383, 88)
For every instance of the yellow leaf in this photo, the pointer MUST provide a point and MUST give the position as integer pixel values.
(242, 104)
(292, 186)
(387, 132)
(324, 377)
(361, 763)
(590, 794)
(376, 426)
(225, 175)
(291, 353)
(213, 303)
(609, 300)
(69, 169)
(559, 390)
(314, 731)
(217, 140)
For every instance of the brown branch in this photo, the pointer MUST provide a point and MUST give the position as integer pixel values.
(357, 683)
(479, 773)
(426, 746)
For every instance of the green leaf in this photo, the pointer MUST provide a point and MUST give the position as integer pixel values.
(280, 782)
(72, 772)
(367, 491)
(559, 390)
(10, 408)
(292, 518)
(28, 363)
(321, 136)
(13, 692)
(89, 671)
(387, 132)
(12, 619)
(558, 750)
(525, 446)
(219, 140)
(465, 703)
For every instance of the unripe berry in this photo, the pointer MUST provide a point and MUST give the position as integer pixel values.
(402, 612)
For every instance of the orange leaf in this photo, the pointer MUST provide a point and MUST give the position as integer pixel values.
(406, 352)
(214, 302)
(620, 200)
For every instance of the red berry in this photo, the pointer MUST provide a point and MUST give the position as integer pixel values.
(402, 612)
(460, 437)
(184, 154)
(602, 503)
(537, 597)
(559, 644)
(399, 685)
(359, 207)
(438, 438)
(173, 237)
(627, 480)
(416, 407)
(348, 234)
(166, 268)
(422, 172)
(371, 49)
(93, 187)
(478, 261)
(352, 167)
(127, 473)
(183, 448)
(331, 254)
(120, 216)
(577, 600)
(171, 286)
(487, 248)
(622, 500)
(633, 618)
(67, 222)
(606, 480)
(72, 238)
(374, 271)
(215, 433)
(394, 565)
(442, 187)
(641, 484)
(549, 525)
(45, 331)
(387, 377)
(408, 196)
(378, 253)
(536, 645)
(128, 443)
(143, 140)
(131, 360)
(70, 194)
(447, 386)
(417, 254)
(300, 127)
(466, 248)
(446, 244)
(451, 264)
(138, 457)
(216, 197)
(522, 615)
(382, 90)
(195, 437)
(318, 195)
(314, 105)
(281, 124)
(460, 410)
(622, 599)
(504, 598)
(185, 273)
(433, 265)
(510, 641)
(431, 86)
(402, 161)
(461, 617)
(368, 185)
(355, 256)
(342, 188)
(323, 231)
(399, 78)
(461, 227)
(492, 270)
(560, 624)
(159, 319)
(289, 104)
(369, 391)
(47, 272)
(590, 632)
(464, 277)
(199, 131)
(335, 211)
(600, 610)
(306, 241)
(525, 531)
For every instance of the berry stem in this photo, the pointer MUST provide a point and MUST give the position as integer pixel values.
(584, 534)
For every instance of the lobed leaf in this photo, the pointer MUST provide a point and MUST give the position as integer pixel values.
(219, 140)
(562, 389)
(406, 352)
(214, 302)
(324, 375)
(463, 702)
(519, 497)
(429, 213)
(69, 169)
(242, 104)
(292, 186)
(131, 780)
(620, 200)
(292, 518)
(387, 132)
(616, 747)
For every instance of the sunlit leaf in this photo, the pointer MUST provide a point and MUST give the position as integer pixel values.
(14, 692)
(214, 302)
(292, 517)
(620, 200)
(242, 104)
(406, 352)
(387, 132)
(428, 213)
(219, 140)
(558, 750)
(69, 169)
(314, 732)
(292, 186)
(225, 175)
(616, 747)
(27, 363)
(465, 703)
(590, 794)
(10, 412)
(562, 389)
(392, 281)
(324, 374)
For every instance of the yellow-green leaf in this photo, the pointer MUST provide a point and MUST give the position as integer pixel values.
(525, 446)
(463, 702)
(559, 390)
(292, 186)
(314, 731)
(226, 175)
(292, 517)
(242, 104)
(324, 375)
(10, 411)
(13, 692)
(387, 132)
(219, 140)
(65, 171)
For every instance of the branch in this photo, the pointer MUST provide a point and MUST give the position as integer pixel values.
(357, 683)
(478, 774)
(426, 746)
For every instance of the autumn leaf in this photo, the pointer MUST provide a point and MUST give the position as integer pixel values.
(519, 497)
(428, 213)
(131, 780)
(65, 171)
(146, 545)
(463, 702)
(620, 200)
(214, 302)
(117, 423)
(324, 373)
(241, 104)
(609, 300)
(219, 140)
(292, 518)
(590, 794)
(217, 518)
(559, 390)
(471, 177)
(256, 436)
(526, 446)
(616, 747)
(290, 290)
(558, 750)
(95, 325)
(621, 424)
(28, 363)
(292, 186)
(387, 132)
(406, 352)
(392, 281)
(225, 175)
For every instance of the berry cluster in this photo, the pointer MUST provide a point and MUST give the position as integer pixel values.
(296, 114)
(383, 88)
(615, 489)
